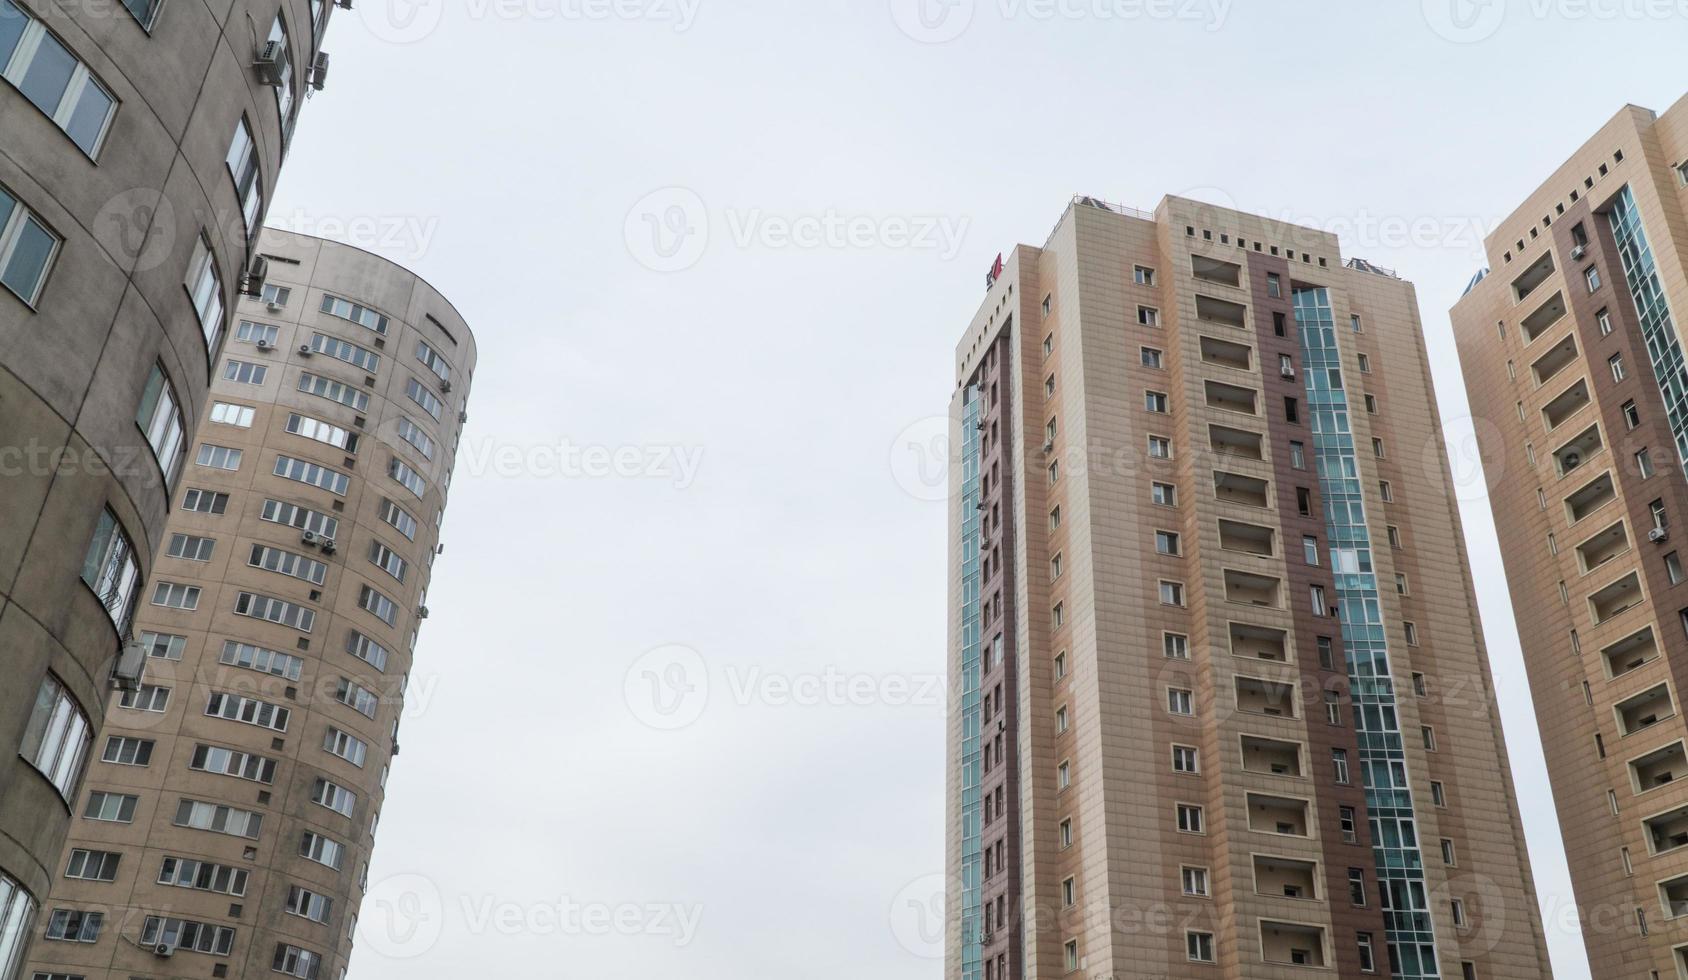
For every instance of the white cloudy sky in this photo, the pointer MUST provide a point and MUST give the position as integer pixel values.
(616, 195)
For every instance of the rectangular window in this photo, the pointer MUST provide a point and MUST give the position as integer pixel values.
(109, 567)
(147, 697)
(202, 876)
(1297, 456)
(323, 432)
(264, 661)
(191, 547)
(312, 474)
(1148, 316)
(303, 518)
(1160, 447)
(182, 934)
(1152, 358)
(348, 747)
(111, 807)
(346, 351)
(46, 73)
(389, 561)
(1198, 946)
(219, 457)
(250, 711)
(160, 417)
(1339, 767)
(1368, 956)
(429, 401)
(1164, 494)
(227, 762)
(1143, 275)
(1194, 881)
(243, 167)
(1172, 593)
(412, 481)
(1166, 543)
(205, 502)
(1154, 401)
(27, 247)
(412, 433)
(205, 289)
(1357, 887)
(120, 751)
(249, 332)
(1309, 549)
(92, 865)
(1176, 646)
(226, 413)
(1349, 825)
(400, 519)
(219, 819)
(274, 610)
(287, 563)
(74, 926)
(334, 796)
(1189, 818)
(1591, 275)
(322, 850)
(308, 904)
(296, 962)
(1616, 364)
(433, 361)
(355, 696)
(174, 595)
(383, 608)
(334, 391)
(1180, 702)
(1185, 760)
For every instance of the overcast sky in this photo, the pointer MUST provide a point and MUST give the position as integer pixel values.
(677, 711)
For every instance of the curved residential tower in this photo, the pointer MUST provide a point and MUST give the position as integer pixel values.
(232, 801)
(138, 141)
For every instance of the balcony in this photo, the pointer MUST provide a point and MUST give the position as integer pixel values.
(1532, 278)
(1578, 451)
(1291, 944)
(1565, 404)
(1603, 547)
(1227, 441)
(1252, 590)
(1615, 599)
(1271, 756)
(1543, 318)
(1630, 653)
(1589, 498)
(1250, 539)
(1259, 643)
(1235, 488)
(1644, 710)
(1660, 767)
(1227, 354)
(1221, 311)
(1286, 878)
(1231, 398)
(1216, 270)
(1668, 831)
(1277, 815)
(1555, 360)
(1257, 696)
(1673, 895)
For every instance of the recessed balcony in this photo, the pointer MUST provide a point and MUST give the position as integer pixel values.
(1542, 319)
(1644, 710)
(1286, 877)
(1271, 756)
(1216, 270)
(1565, 404)
(1259, 643)
(1231, 398)
(1615, 599)
(1668, 831)
(1589, 498)
(1532, 277)
(1252, 590)
(1290, 944)
(1581, 449)
(1213, 310)
(1555, 360)
(1659, 768)
(1630, 653)
(1603, 547)
(1227, 354)
(1277, 815)
(1235, 488)
(1673, 895)
(1251, 539)
(1227, 441)
(1257, 696)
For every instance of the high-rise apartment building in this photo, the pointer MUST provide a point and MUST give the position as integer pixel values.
(1573, 361)
(226, 822)
(1222, 706)
(138, 142)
